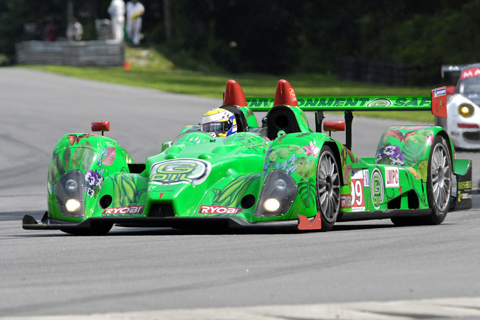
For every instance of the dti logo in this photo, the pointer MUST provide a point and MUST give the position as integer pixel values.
(392, 178)
(179, 171)
(376, 188)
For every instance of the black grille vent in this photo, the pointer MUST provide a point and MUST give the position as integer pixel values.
(161, 210)
(472, 137)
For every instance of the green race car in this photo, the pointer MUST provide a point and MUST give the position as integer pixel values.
(231, 171)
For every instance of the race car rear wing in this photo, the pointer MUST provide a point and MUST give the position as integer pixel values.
(437, 103)
(361, 103)
(453, 71)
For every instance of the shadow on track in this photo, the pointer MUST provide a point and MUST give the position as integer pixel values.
(245, 230)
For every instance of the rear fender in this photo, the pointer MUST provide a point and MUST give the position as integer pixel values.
(409, 146)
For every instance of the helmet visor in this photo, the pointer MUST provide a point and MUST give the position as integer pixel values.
(216, 127)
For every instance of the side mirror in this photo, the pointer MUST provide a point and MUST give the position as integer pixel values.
(101, 126)
(334, 126)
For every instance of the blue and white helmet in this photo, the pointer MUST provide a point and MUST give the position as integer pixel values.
(219, 121)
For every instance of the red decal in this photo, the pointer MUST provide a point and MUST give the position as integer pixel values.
(392, 178)
(357, 196)
(469, 73)
(161, 195)
(439, 101)
(305, 224)
(218, 210)
(124, 210)
(346, 201)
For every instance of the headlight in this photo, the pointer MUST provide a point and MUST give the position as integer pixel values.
(466, 110)
(69, 193)
(72, 205)
(278, 193)
(271, 205)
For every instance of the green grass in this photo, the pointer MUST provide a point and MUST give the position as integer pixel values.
(149, 69)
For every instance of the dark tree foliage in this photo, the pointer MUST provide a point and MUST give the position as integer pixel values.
(276, 36)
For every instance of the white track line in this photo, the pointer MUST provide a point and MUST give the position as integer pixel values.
(447, 308)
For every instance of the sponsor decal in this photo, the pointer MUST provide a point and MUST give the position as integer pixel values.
(380, 102)
(345, 201)
(354, 102)
(366, 179)
(376, 188)
(463, 196)
(357, 196)
(414, 102)
(332, 102)
(292, 95)
(464, 184)
(392, 179)
(469, 73)
(124, 210)
(439, 92)
(218, 210)
(180, 171)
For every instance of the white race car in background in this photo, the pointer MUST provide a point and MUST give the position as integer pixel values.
(463, 111)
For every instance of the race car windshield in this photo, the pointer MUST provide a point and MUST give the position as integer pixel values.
(470, 85)
(216, 127)
(470, 88)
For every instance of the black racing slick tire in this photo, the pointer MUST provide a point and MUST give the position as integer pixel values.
(439, 186)
(439, 180)
(328, 188)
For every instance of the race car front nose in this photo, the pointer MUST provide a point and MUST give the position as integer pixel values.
(278, 193)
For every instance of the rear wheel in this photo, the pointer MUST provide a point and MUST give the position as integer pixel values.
(328, 188)
(439, 180)
(439, 185)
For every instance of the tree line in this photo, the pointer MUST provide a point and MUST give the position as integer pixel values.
(277, 37)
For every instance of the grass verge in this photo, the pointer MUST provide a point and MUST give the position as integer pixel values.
(150, 69)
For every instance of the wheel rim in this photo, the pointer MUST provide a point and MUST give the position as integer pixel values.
(440, 176)
(328, 187)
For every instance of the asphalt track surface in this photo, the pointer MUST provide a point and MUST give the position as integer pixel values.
(361, 270)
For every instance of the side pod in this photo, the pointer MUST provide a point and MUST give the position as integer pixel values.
(463, 172)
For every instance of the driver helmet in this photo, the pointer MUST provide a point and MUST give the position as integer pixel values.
(220, 122)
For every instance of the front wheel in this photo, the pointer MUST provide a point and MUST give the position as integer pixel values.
(328, 188)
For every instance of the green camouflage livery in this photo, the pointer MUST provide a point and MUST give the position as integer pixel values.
(279, 171)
